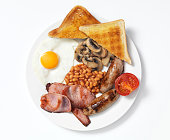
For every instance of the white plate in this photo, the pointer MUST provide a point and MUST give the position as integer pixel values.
(68, 120)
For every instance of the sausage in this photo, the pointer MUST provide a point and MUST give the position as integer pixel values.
(101, 103)
(115, 69)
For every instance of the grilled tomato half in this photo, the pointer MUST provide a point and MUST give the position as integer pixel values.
(126, 83)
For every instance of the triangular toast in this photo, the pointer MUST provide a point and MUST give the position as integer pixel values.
(110, 35)
(69, 28)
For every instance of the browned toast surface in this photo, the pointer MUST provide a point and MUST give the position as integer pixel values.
(111, 36)
(69, 28)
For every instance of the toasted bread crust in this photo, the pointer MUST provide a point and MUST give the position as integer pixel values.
(69, 28)
(110, 35)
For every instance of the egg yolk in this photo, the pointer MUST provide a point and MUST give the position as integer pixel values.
(49, 60)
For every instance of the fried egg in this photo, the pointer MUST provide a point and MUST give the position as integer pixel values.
(53, 59)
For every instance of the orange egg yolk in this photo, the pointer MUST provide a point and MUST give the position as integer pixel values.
(49, 60)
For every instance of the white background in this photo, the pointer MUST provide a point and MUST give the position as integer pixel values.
(147, 23)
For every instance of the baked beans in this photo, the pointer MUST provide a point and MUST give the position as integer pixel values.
(82, 75)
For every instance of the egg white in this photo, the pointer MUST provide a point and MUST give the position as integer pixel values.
(65, 49)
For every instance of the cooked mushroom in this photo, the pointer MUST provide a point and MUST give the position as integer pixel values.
(92, 54)
(92, 45)
(80, 48)
(86, 51)
(78, 57)
(103, 53)
(106, 60)
(99, 62)
(81, 51)
(78, 53)
(89, 62)
(93, 62)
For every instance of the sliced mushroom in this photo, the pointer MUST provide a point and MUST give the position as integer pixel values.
(106, 60)
(99, 62)
(103, 53)
(92, 54)
(78, 57)
(81, 51)
(86, 51)
(80, 48)
(89, 62)
(78, 53)
(86, 59)
(92, 45)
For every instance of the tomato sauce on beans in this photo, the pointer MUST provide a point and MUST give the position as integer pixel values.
(82, 75)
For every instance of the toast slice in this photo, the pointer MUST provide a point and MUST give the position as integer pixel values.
(69, 28)
(111, 36)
